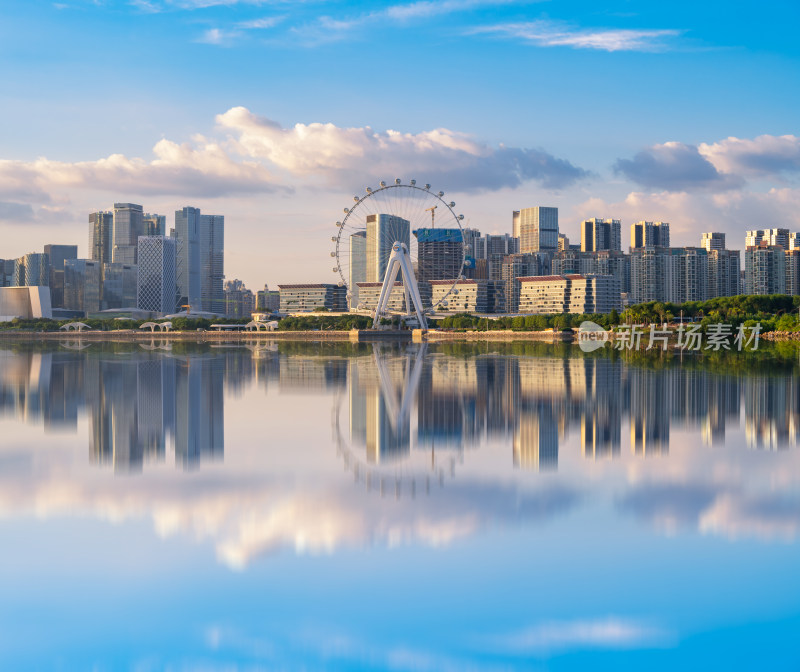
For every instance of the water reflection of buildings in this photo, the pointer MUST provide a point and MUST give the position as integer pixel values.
(534, 403)
(772, 412)
(405, 405)
(144, 405)
(137, 407)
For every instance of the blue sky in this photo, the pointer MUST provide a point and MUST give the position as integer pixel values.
(682, 112)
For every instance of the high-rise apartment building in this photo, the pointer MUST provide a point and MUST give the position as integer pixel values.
(128, 226)
(492, 249)
(382, 232)
(563, 242)
(82, 285)
(604, 262)
(765, 269)
(101, 236)
(674, 274)
(712, 241)
(649, 234)
(601, 234)
(157, 275)
(538, 230)
(768, 237)
(516, 266)
(187, 233)
(793, 272)
(212, 263)
(724, 273)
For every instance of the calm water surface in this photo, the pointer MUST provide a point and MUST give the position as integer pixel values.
(338, 506)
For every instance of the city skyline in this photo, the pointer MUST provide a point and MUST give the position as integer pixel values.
(207, 118)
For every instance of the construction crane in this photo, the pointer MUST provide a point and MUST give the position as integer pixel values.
(433, 213)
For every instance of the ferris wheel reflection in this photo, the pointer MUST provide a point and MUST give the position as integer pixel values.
(382, 445)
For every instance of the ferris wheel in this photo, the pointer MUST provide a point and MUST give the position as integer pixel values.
(392, 216)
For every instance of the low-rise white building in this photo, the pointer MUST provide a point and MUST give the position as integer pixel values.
(577, 294)
(305, 298)
(469, 296)
(369, 293)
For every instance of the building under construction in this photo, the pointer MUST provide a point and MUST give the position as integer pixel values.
(440, 253)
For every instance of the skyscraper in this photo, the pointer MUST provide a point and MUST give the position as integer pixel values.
(538, 230)
(101, 236)
(382, 232)
(82, 285)
(600, 234)
(212, 263)
(187, 233)
(358, 265)
(119, 286)
(128, 226)
(156, 284)
(649, 234)
(58, 254)
(154, 225)
(515, 224)
(32, 270)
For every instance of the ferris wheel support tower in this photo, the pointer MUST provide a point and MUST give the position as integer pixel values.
(399, 262)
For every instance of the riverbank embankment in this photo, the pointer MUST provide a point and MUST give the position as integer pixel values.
(433, 336)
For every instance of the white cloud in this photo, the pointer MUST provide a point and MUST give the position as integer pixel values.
(768, 518)
(262, 23)
(255, 155)
(202, 168)
(717, 166)
(331, 29)
(425, 8)
(550, 34)
(675, 166)
(766, 155)
(218, 37)
(358, 155)
(609, 633)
